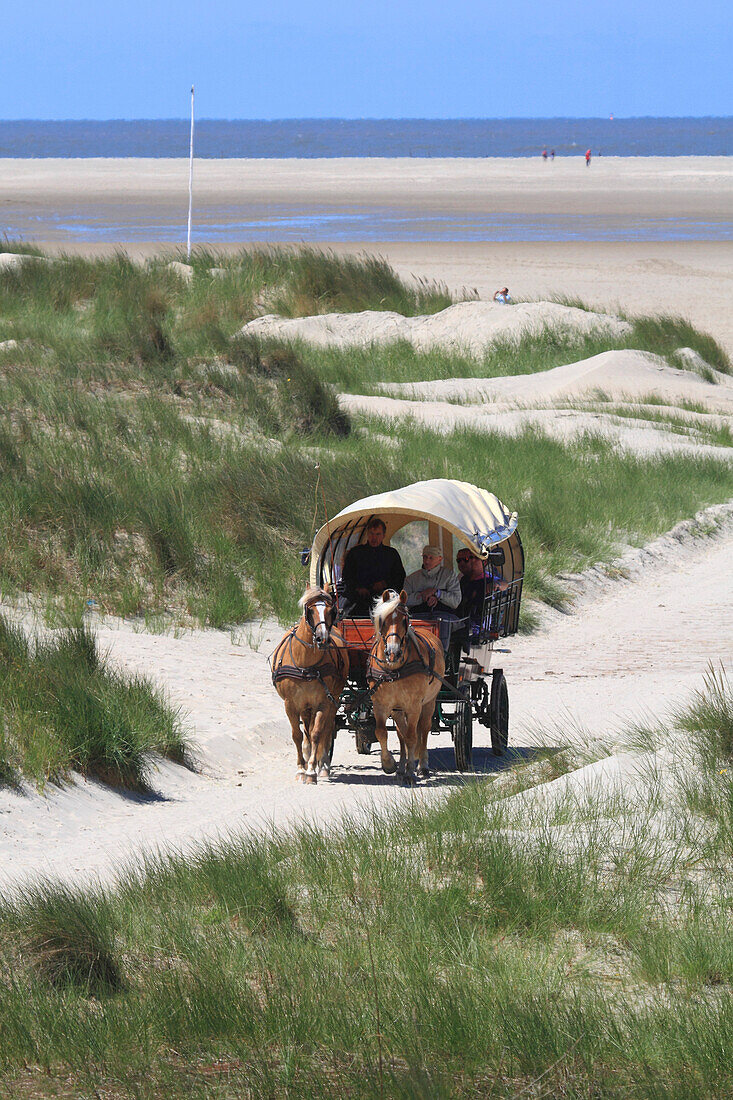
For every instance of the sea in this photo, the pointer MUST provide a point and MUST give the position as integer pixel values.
(334, 137)
(82, 221)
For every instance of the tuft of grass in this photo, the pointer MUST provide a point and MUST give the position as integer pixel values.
(664, 334)
(322, 282)
(303, 401)
(62, 708)
(67, 939)
(709, 715)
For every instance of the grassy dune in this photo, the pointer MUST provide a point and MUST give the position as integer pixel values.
(155, 463)
(481, 947)
(152, 502)
(359, 370)
(62, 709)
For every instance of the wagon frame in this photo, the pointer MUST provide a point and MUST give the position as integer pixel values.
(472, 690)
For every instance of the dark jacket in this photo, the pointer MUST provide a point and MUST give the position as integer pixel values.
(372, 567)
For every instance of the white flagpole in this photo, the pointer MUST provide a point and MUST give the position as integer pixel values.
(190, 184)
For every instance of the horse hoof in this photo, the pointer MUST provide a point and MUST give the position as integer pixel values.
(311, 779)
(408, 780)
(388, 766)
(299, 775)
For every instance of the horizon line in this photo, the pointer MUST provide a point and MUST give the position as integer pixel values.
(389, 118)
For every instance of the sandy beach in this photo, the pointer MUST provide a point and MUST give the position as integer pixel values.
(643, 186)
(67, 204)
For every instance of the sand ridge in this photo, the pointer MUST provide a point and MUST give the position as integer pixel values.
(622, 375)
(465, 326)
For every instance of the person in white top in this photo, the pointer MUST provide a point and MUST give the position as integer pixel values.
(434, 592)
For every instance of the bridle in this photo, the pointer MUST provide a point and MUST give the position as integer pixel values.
(323, 605)
(395, 656)
(331, 663)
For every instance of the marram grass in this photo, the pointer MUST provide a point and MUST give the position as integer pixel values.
(460, 949)
(63, 708)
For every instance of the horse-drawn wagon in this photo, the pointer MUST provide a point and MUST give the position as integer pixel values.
(450, 515)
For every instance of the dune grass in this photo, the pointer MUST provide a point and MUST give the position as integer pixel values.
(113, 308)
(63, 708)
(180, 499)
(477, 946)
(360, 370)
(154, 465)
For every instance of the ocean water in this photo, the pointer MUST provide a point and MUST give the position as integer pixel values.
(217, 138)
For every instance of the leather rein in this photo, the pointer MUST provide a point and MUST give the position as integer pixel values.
(381, 672)
(293, 671)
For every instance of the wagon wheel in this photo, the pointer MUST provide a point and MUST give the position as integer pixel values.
(499, 713)
(463, 735)
(480, 700)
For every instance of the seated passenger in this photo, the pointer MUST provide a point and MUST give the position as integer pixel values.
(434, 592)
(369, 569)
(478, 579)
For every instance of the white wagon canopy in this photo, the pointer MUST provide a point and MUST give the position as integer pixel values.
(455, 511)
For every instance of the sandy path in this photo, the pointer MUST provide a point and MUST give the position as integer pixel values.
(632, 648)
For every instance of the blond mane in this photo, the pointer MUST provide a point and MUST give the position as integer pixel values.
(383, 608)
(314, 593)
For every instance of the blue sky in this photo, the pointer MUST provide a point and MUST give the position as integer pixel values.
(376, 59)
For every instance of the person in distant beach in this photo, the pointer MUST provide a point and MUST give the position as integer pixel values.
(503, 296)
(544, 154)
(552, 154)
(587, 158)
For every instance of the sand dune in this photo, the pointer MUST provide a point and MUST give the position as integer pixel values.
(623, 375)
(466, 326)
(643, 437)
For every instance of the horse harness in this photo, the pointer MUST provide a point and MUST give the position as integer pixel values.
(381, 674)
(324, 667)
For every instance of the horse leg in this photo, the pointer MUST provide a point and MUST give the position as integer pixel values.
(326, 750)
(380, 717)
(411, 747)
(316, 732)
(424, 724)
(401, 723)
(294, 718)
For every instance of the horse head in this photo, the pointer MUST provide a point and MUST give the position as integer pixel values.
(392, 621)
(319, 612)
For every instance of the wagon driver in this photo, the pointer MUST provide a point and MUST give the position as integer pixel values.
(369, 569)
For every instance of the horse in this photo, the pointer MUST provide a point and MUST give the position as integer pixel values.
(309, 669)
(404, 672)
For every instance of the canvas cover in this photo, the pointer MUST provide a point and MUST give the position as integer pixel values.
(473, 516)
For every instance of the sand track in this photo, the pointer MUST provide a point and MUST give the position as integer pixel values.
(632, 648)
